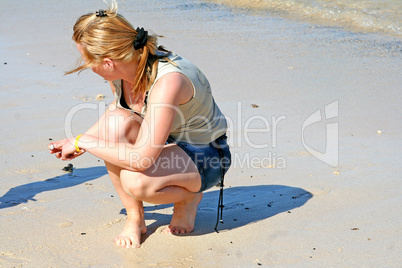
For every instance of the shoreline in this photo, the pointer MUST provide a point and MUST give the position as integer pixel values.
(358, 18)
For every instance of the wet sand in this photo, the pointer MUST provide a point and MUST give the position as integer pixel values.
(283, 206)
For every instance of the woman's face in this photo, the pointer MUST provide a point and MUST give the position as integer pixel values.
(105, 69)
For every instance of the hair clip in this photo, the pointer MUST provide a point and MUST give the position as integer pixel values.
(141, 39)
(101, 13)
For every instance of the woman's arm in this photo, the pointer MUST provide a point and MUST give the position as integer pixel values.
(167, 94)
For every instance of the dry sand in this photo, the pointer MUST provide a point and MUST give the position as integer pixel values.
(289, 209)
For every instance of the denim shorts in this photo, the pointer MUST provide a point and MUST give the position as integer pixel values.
(208, 160)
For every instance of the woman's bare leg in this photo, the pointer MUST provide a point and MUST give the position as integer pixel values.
(118, 126)
(134, 226)
(176, 183)
(184, 214)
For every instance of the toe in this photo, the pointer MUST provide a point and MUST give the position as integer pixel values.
(127, 242)
(117, 241)
(167, 230)
(122, 242)
(134, 243)
(178, 230)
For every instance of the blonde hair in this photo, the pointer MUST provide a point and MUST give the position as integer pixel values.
(112, 36)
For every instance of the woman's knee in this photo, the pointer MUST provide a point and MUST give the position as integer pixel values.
(119, 126)
(136, 184)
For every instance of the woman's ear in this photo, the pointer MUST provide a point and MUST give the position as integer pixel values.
(108, 64)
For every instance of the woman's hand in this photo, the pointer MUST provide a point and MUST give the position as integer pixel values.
(65, 149)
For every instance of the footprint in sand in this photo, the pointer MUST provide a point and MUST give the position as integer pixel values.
(65, 224)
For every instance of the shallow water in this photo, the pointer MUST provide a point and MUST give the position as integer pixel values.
(360, 15)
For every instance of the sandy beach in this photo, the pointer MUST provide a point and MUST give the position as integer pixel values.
(315, 129)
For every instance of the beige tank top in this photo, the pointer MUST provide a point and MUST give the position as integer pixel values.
(199, 121)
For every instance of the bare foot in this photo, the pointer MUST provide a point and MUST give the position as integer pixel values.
(130, 237)
(183, 218)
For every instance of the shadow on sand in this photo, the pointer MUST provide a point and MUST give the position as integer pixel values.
(24, 193)
(242, 205)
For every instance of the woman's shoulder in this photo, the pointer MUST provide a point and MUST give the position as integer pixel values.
(173, 82)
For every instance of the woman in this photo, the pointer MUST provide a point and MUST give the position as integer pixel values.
(163, 137)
